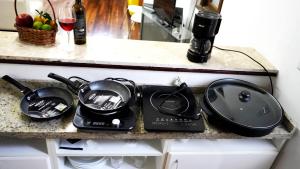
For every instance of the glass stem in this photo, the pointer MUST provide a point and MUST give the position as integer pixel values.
(68, 38)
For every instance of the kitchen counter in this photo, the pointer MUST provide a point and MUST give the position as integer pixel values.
(101, 52)
(14, 124)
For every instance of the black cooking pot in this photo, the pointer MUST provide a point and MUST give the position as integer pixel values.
(104, 97)
(241, 107)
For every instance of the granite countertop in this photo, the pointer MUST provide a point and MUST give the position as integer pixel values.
(129, 54)
(14, 124)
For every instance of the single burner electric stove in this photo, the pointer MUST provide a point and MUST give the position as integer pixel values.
(169, 108)
(87, 120)
(124, 120)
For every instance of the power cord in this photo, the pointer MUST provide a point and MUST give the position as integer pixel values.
(231, 50)
(78, 82)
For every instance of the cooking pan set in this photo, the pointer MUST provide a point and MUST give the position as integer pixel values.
(104, 97)
(229, 104)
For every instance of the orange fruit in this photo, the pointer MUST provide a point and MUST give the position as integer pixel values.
(38, 18)
(44, 20)
(53, 24)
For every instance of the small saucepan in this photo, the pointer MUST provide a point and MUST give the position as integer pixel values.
(103, 97)
(44, 103)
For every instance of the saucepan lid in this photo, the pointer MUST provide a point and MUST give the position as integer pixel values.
(243, 103)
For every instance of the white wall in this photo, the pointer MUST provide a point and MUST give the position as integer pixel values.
(7, 13)
(273, 28)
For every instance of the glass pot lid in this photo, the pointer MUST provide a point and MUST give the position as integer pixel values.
(243, 103)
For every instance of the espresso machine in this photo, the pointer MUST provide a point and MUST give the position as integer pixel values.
(206, 26)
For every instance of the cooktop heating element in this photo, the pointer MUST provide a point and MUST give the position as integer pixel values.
(169, 104)
(170, 108)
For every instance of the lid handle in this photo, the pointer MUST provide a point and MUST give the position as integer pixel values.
(245, 96)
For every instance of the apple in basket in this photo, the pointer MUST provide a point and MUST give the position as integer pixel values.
(24, 20)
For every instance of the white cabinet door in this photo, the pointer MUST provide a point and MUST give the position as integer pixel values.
(24, 163)
(181, 160)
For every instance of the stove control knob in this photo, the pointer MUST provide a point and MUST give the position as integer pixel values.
(116, 123)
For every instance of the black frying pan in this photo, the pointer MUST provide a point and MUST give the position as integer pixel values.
(103, 96)
(44, 103)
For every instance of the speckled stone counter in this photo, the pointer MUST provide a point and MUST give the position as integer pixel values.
(14, 124)
(129, 54)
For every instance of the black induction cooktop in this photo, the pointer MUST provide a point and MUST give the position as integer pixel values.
(170, 108)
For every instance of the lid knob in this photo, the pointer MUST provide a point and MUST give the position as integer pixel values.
(245, 96)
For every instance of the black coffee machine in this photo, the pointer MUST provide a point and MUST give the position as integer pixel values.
(206, 26)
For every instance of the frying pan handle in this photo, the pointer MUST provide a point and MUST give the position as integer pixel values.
(25, 90)
(64, 80)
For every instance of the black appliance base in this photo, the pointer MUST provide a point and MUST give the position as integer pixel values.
(122, 121)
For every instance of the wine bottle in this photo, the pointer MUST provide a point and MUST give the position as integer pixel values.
(80, 25)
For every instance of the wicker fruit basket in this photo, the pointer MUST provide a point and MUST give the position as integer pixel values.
(34, 36)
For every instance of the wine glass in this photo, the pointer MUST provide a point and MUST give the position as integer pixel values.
(66, 19)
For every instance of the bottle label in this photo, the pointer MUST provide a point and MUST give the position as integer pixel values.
(80, 27)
